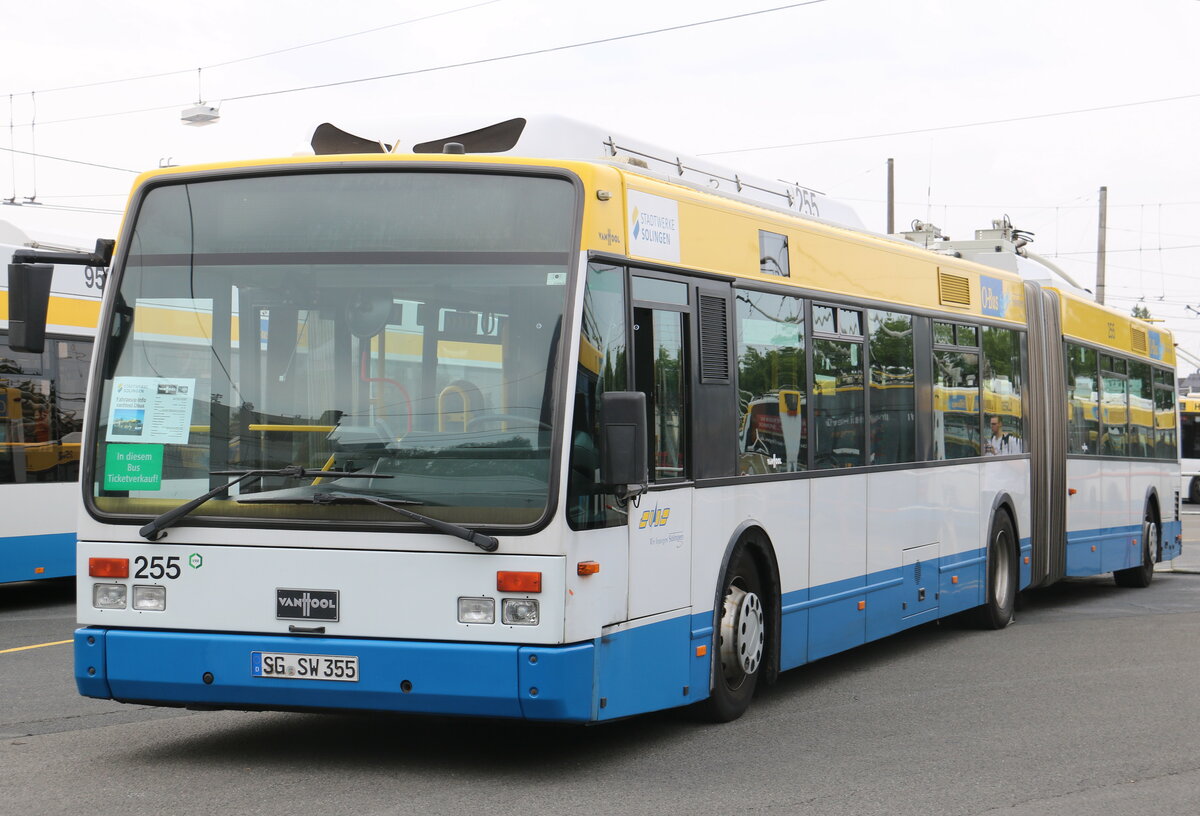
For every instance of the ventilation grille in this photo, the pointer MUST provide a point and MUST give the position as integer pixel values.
(954, 290)
(714, 339)
(917, 573)
(1137, 338)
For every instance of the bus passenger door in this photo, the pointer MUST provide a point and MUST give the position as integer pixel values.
(660, 534)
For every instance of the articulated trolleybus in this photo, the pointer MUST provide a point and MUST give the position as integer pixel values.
(41, 421)
(465, 427)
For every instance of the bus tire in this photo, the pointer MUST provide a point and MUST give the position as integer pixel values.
(1002, 575)
(739, 641)
(1193, 495)
(1141, 576)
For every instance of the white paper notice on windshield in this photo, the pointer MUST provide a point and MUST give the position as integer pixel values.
(150, 409)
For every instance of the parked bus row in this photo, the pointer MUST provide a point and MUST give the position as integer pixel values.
(41, 420)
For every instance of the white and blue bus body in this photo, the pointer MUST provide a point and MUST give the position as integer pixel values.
(467, 383)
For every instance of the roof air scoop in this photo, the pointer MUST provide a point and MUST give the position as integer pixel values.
(497, 138)
(328, 140)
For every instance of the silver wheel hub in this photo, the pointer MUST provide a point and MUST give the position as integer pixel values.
(1150, 536)
(742, 634)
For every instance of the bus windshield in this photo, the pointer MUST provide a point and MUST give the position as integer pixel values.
(405, 324)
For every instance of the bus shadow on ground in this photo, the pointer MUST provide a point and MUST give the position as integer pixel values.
(36, 594)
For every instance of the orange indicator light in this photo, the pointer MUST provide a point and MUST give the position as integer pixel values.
(954, 579)
(1071, 491)
(1027, 559)
(862, 605)
(1093, 548)
(38, 570)
(587, 567)
(108, 567)
(701, 651)
(518, 581)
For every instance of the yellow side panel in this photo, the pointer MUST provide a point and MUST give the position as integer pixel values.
(603, 221)
(722, 236)
(1093, 323)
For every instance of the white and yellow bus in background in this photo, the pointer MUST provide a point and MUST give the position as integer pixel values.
(41, 419)
(1189, 446)
(528, 423)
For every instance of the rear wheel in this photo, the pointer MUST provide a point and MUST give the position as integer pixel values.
(1002, 575)
(739, 642)
(1140, 576)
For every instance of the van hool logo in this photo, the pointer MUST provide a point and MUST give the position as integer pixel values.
(609, 237)
(306, 604)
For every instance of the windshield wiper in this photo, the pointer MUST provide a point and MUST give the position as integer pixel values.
(154, 530)
(483, 541)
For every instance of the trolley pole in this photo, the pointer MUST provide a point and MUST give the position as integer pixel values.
(1100, 246)
(891, 197)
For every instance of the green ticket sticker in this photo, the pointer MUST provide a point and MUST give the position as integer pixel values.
(133, 467)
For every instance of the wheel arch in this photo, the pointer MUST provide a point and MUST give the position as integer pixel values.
(752, 535)
(1003, 502)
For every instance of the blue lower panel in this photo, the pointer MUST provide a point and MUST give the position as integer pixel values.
(836, 619)
(646, 669)
(552, 683)
(1093, 552)
(30, 558)
(1172, 540)
(961, 579)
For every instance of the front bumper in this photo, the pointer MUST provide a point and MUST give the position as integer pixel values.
(213, 669)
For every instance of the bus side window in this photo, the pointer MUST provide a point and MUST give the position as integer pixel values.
(1083, 409)
(602, 367)
(893, 392)
(662, 373)
(772, 384)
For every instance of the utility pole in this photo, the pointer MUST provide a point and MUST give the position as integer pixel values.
(891, 197)
(1100, 246)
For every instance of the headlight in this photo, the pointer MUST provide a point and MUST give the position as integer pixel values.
(520, 612)
(109, 596)
(476, 610)
(150, 598)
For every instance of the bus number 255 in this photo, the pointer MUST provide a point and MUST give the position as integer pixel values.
(157, 567)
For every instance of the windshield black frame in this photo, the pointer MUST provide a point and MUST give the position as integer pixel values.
(111, 316)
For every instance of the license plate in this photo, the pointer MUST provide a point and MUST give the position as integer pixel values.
(304, 666)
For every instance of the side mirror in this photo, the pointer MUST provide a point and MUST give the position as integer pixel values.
(29, 277)
(28, 300)
(624, 461)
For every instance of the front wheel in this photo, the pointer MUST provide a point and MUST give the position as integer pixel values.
(739, 642)
(1141, 575)
(1002, 575)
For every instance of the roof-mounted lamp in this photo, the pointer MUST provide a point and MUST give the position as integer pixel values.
(200, 114)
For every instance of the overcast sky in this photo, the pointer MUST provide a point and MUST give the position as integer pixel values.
(1103, 93)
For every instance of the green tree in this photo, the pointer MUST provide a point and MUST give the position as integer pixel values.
(1140, 311)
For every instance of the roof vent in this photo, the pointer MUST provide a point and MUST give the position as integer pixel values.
(953, 290)
(454, 148)
(1137, 340)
